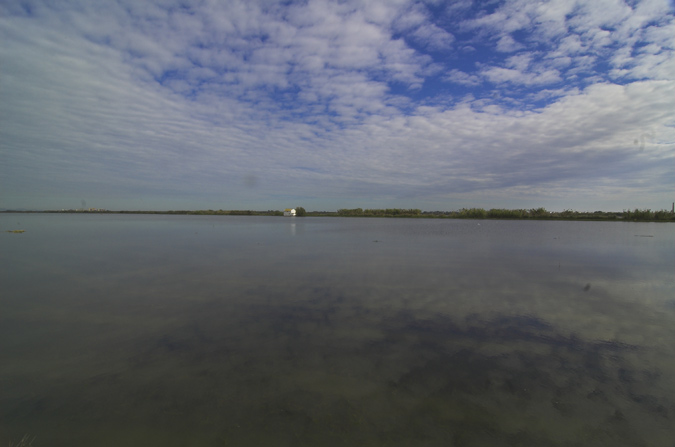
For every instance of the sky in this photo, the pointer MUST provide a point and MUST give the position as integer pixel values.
(265, 105)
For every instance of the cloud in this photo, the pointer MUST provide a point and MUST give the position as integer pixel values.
(336, 102)
(460, 77)
(433, 37)
(499, 75)
(583, 31)
(507, 44)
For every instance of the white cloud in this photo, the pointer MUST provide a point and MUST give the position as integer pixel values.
(462, 78)
(583, 31)
(507, 44)
(144, 99)
(433, 37)
(521, 74)
(410, 19)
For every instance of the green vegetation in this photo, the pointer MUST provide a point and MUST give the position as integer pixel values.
(389, 212)
(472, 213)
(648, 215)
(211, 212)
(541, 213)
(501, 213)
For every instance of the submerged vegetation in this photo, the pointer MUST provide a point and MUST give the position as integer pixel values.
(26, 441)
(636, 215)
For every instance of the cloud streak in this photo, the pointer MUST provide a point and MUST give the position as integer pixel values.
(332, 104)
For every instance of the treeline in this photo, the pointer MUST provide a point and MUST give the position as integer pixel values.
(502, 213)
(644, 215)
(464, 213)
(649, 215)
(636, 215)
(388, 212)
(211, 212)
(300, 211)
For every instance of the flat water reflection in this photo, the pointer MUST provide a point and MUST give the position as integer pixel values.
(183, 330)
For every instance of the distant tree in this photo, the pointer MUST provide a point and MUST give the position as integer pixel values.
(639, 214)
(500, 213)
(538, 212)
(663, 215)
(300, 211)
(350, 212)
(472, 213)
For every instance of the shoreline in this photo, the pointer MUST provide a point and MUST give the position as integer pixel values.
(472, 213)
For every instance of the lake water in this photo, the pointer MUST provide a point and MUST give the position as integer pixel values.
(130, 330)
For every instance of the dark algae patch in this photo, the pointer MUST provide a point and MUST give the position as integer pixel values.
(291, 376)
(531, 393)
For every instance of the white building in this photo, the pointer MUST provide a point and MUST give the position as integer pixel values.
(289, 212)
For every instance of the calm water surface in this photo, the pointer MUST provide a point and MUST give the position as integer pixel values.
(263, 331)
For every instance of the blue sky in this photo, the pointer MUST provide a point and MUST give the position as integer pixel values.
(437, 105)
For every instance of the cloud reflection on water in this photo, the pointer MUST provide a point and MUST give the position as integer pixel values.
(233, 330)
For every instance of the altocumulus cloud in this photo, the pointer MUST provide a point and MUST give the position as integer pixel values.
(327, 104)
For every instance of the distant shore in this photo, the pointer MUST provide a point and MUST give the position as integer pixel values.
(636, 215)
